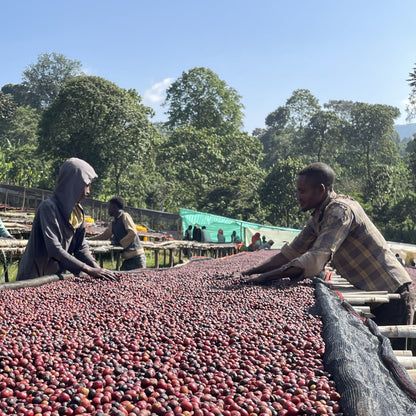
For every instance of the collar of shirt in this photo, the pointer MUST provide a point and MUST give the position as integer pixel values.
(318, 213)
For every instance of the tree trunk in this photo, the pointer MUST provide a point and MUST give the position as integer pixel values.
(368, 162)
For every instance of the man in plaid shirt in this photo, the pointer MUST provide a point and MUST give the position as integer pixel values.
(339, 232)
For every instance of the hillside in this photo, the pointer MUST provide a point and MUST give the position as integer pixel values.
(406, 131)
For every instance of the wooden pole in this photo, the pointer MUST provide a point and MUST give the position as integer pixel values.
(118, 264)
(407, 362)
(38, 281)
(402, 353)
(398, 331)
(412, 375)
(171, 258)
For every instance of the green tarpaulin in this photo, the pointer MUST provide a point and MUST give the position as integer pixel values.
(243, 229)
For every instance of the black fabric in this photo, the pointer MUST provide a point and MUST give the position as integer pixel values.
(197, 234)
(357, 361)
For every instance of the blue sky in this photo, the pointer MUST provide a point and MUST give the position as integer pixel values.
(345, 49)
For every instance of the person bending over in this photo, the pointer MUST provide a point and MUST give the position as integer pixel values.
(122, 232)
(340, 232)
(57, 240)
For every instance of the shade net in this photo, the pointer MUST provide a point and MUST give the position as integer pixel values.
(362, 363)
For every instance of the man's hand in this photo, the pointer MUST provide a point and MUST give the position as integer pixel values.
(100, 273)
(280, 273)
(258, 280)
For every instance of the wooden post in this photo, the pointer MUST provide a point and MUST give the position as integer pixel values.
(24, 197)
(118, 260)
(399, 331)
(407, 362)
(402, 353)
(156, 258)
(180, 255)
(164, 258)
(171, 257)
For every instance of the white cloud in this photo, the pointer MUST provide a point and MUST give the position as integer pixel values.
(405, 102)
(156, 93)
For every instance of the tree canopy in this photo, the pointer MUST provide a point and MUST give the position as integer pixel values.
(96, 120)
(411, 107)
(48, 75)
(199, 98)
(200, 158)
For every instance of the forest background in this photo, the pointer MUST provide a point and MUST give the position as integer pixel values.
(201, 158)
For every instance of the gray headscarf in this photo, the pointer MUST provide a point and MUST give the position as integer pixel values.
(74, 175)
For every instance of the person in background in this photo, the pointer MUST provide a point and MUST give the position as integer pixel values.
(255, 242)
(4, 232)
(399, 259)
(220, 236)
(197, 234)
(57, 240)
(122, 232)
(266, 246)
(188, 237)
(340, 232)
(235, 238)
(206, 237)
(188, 234)
(263, 239)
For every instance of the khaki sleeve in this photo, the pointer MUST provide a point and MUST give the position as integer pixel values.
(334, 229)
(106, 235)
(131, 230)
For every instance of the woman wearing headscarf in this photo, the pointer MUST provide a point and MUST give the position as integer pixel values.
(220, 236)
(255, 242)
(57, 240)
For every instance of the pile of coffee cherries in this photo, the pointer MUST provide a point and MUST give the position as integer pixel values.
(192, 340)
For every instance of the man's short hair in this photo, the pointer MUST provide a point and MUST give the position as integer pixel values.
(319, 173)
(119, 201)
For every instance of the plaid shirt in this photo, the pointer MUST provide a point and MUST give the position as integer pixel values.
(341, 232)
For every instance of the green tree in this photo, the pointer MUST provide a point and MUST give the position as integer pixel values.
(279, 144)
(388, 185)
(342, 108)
(7, 107)
(199, 98)
(21, 95)
(403, 214)
(19, 142)
(279, 118)
(411, 107)
(194, 161)
(285, 126)
(21, 128)
(323, 134)
(96, 120)
(235, 196)
(302, 105)
(278, 193)
(48, 75)
(371, 129)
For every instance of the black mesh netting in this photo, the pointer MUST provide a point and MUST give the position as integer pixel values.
(369, 377)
